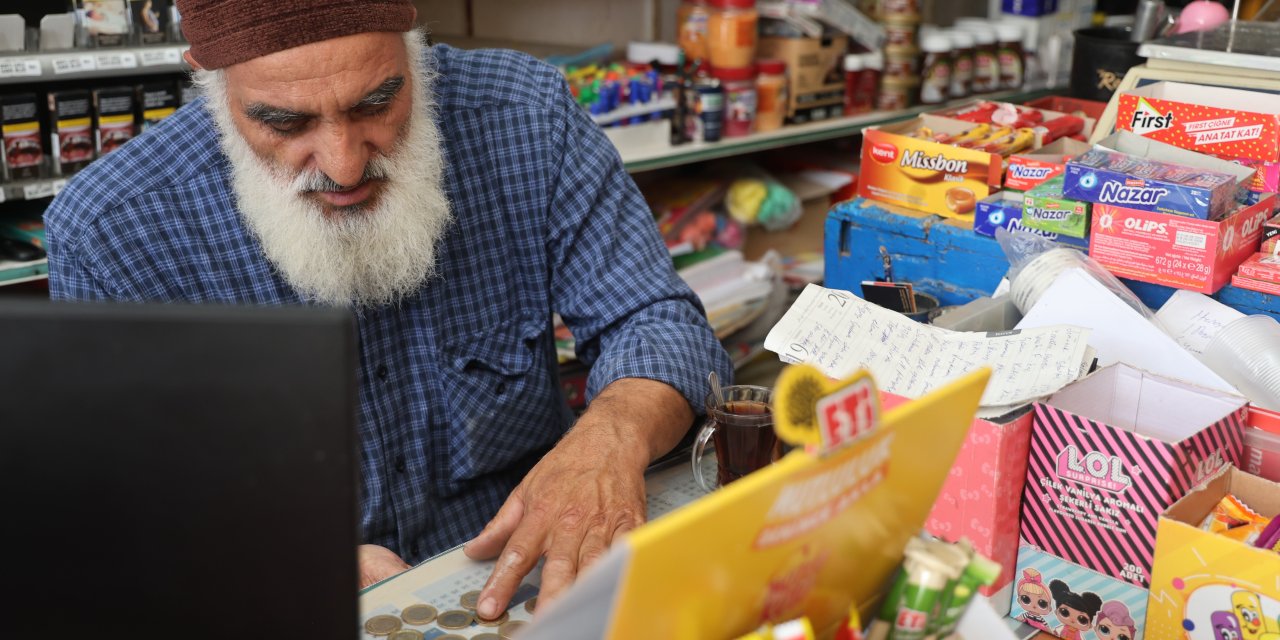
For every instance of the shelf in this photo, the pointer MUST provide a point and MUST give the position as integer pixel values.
(26, 67)
(20, 272)
(33, 189)
(639, 157)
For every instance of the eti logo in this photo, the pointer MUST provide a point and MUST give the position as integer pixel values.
(1147, 119)
(1093, 468)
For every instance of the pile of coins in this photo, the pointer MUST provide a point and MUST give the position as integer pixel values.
(392, 627)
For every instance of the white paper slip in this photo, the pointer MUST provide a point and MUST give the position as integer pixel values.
(1193, 319)
(839, 333)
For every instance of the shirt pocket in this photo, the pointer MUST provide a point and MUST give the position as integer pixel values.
(501, 398)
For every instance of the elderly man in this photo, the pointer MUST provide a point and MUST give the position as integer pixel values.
(454, 199)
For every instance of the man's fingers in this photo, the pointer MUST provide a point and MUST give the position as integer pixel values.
(378, 564)
(594, 545)
(561, 564)
(518, 558)
(490, 542)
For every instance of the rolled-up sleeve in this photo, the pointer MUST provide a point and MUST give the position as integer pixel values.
(613, 281)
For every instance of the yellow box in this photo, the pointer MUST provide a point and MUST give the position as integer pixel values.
(1206, 586)
(926, 175)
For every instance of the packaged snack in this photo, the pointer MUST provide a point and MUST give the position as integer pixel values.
(1234, 519)
(1047, 209)
(20, 127)
(72, 135)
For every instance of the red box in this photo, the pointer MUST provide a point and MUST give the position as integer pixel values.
(1029, 170)
(1255, 285)
(1225, 122)
(1073, 106)
(1271, 236)
(1261, 266)
(982, 497)
(1176, 251)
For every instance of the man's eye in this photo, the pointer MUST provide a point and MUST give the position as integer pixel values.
(372, 110)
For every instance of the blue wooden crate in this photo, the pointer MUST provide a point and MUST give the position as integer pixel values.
(946, 259)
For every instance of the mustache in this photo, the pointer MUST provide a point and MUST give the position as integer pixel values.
(316, 181)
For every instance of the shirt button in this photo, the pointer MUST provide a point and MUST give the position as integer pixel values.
(400, 465)
(382, 372)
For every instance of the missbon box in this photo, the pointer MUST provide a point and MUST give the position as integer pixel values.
(1176, 251)
(925, 175)
(1110, 453)
(1127, 170)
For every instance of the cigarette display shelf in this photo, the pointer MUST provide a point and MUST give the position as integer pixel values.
(32, 189)
(79, 64)
(656, 153)
(19, 272)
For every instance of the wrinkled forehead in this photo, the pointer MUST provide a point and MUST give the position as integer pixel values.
(329, 74)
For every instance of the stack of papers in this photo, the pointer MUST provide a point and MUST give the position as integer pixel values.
(733, 291)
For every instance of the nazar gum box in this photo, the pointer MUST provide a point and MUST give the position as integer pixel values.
(1045, 208)
(1004, 209)
(1177, 251)
(1110, 453)
(1127, 170)
(1208, 586)
(1028, 170)
(1243, 126)
(925, 175)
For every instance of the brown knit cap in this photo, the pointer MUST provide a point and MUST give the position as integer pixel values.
(227, 32)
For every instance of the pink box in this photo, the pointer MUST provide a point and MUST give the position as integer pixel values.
(1177, 251)
(1261, 455)
(981, 497)
(1110, 453)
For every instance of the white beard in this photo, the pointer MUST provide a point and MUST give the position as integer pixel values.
(366, 259)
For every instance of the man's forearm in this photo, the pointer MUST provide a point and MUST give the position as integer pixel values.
(639, 416)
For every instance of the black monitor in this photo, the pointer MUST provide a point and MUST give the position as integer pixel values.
(177, 471)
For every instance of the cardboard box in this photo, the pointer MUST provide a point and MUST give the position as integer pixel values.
(1045, 209)
(815, 76)
(23, 151)
(1074, 106)
(1208, 586)
(1261, 455)
(1198, 255)
(1225, 122)
(1255, 285)
(1271, 236)
(1261, 266)
(1035, 604)
(1128, 170)
(71, 139)
(925, 175)
(1029, 170)
(980, 499)
(1110, 453)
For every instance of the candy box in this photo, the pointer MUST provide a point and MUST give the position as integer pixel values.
(1271, 236)
(1130, 171)
(1045, 208)
(1004, 209)
(1110, 453)
(1261, 266)
(1255, 285)
(979, 501)
(1074, 106)
(1061, 597)
(925, 175)
(1261, 455)
(1028, 170)
(1226, 122)
(1208, 586)
(1176, 251)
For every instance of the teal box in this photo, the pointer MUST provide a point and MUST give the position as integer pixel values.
(1044, 209)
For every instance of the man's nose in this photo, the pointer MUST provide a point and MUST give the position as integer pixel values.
(343, 154)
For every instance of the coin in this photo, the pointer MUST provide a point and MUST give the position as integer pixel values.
(406, 634)
(469, 600)
(531, 604)
(496, 622)
(382, 625)
(510, 629)
(451, 636)
(455, 619)
(418, 614)
(487, 636)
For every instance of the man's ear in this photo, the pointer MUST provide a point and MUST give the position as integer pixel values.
(186, 55)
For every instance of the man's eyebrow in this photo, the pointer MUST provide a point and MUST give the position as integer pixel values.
(383, 95)
(268, 114)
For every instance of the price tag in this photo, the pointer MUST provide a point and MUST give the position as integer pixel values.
(59, 185)
(35, 190)
(111, 61)
(161, 56)
(19, 68)
(849, 413)
(73, 64)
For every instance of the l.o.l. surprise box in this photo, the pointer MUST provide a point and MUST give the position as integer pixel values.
(1127, 170)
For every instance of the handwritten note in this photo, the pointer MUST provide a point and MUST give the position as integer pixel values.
(840, 333)
(1193, 319)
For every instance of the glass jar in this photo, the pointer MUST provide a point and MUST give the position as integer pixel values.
(855, 67)
(935, 74)
(897, 93)
(986, 67)
(691, 23)
(961, 63)
(739, 85)
(731, 33)
(772, 104)
(1009, 55)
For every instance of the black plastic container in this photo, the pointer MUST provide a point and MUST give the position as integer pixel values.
(1101, 57)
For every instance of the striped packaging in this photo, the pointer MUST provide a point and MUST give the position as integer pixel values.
(1095, 489)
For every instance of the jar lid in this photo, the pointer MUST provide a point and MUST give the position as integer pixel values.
(771, 66)
(854, 62)
(874, 60)
(1009, 31)
(936, 43)
(733, 4)
(960, 38)
(734, 74)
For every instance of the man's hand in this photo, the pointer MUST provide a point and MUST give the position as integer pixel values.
(582, 495)
(377, 564)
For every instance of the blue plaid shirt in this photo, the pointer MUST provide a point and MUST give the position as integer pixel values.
(459, 395)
